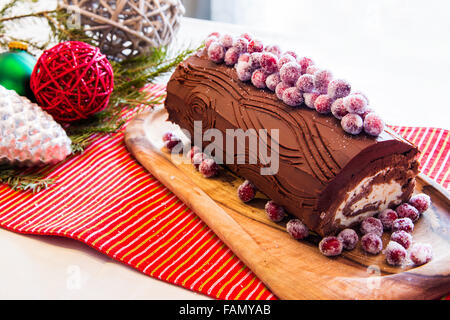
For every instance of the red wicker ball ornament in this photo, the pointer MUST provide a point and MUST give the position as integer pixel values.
(72, 81)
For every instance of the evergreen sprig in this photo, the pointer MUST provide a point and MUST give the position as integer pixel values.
(130, 76)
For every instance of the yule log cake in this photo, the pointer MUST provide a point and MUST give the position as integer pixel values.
(328, 178)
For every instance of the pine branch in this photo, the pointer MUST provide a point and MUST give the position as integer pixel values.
(24, 181)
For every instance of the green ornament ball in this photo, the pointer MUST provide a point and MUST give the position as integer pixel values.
(16, 67)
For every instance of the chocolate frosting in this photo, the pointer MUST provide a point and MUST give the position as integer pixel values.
(319, 162)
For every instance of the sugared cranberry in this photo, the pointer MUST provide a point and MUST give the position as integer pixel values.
(268, 62)
(387, 218)
(208, 168)
(323, 104)
(402, 237)
(292, 97)
(305, 83)
(321, 80)
(279, 90)
(231, 56)
(339, 88)
(214, 34)
(209, 40)
(405, 210)
(421, 253)
(373, 124)
(244, 71)
(247, 36)
(259, 78)
(297, 229)
(349, 238)
(170, 140)
(291, 53)
(338, 109)
(246, 191)
(305, 62)
(421, 202)
(395, 254)
(272, 81)
(372, 225)
(363, 95)
(256, 60)
(198, 158)
(275, 49)
(255, 45)
(285, 58)
(368, 110)
(371, 243)
(240, 44)
(274, 211)
(404, 224)
(216, 52)
(310, 99)
(352, 123)
(226, 41)
(245, 57)
(312, 70)
(290, 72)
(355, 103)
(330, 246)
(194, 150)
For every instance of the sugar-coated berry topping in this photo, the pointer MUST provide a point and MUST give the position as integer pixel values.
(292, 97)
(245, 57)
(387, 218)
(362, 94)
(214, 34)
(256, 60)
(297, 229)
(210, 40)
(255, 45)
(291, 53)
(272, 81)
(421, 253)
(170, 140)
(372, 225)
(244, 71)
(339, 88)
(352, 123)
(279, 90)
(395, 254)
(198, 158)
(259, 78)
(321, 80)
(246, 191)
(305, 83)
(373, 124)
(330, 246)
(421, 202)
(371, 243)
(240, 44)
(404, 224)
(312, 69)
(368, 110)
(247, 36)
(274, 48)
(405, 210)
(285, 58)
(226, 41)
(402, 237)
(231, 56)
(323, 104)
(305, 62)
(290, 72)
(274, 211)
(216, 52)
(208, 168)
(349, 238)
(310, 99)
(338, 109)
(268, 62)
(194, 150)
(355, 103)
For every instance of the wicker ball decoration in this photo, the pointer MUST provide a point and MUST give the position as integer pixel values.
(72, 81)
(127, 28)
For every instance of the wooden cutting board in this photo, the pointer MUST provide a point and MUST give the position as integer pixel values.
(294, 269)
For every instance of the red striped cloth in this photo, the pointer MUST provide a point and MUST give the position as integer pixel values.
(105, 199)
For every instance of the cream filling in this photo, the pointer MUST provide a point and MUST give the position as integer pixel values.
(381, 195)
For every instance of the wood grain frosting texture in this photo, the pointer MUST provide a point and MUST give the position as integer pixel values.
(319, 164)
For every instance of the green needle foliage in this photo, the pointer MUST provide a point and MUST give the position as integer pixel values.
(130, 76)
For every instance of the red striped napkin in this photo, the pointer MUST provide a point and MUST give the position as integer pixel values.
(105, 199)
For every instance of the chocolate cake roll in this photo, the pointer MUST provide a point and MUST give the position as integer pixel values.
(327, 178)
